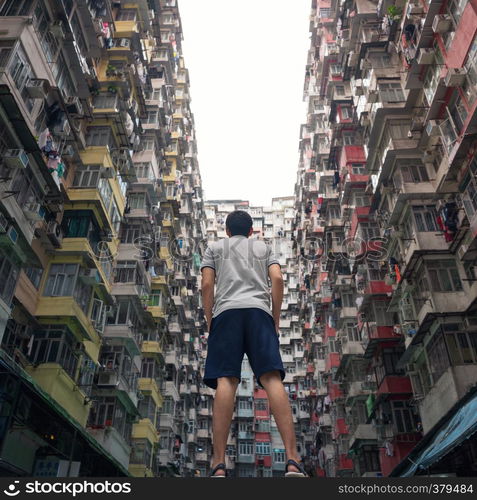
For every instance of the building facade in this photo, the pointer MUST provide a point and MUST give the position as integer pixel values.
(385, 233)
(101, 219)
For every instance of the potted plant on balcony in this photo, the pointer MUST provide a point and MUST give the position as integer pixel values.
(394, 14)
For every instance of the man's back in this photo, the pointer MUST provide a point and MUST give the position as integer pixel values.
(241, 267)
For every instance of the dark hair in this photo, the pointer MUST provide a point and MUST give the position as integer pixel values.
(239, 222)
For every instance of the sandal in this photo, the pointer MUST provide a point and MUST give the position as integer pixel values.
(218, 467)
(300, 468)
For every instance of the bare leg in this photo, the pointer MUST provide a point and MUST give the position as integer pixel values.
(281, 410)
(222, 417)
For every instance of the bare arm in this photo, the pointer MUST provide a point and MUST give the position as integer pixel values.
(208, 281)
(276, 277)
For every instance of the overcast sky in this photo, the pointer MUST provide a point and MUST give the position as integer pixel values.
(246, 61)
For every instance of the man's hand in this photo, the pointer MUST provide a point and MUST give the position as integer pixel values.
(208, 281)
(276, 277)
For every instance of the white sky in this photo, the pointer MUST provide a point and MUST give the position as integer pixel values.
(246, 61)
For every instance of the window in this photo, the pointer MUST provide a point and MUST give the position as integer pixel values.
(61, 280)
(469, 196)
(16, 8)
(386, 364)
(404, 418)
(334, 68)
(87, 177)
(325, 12)
(99, 136)
(358, 169)
(443, 275)
(143, 170)
(368, 459)
(414, 172)
(131, 234)
(346, 113)
(126, 15)
(261, 404)
(262, 448)
(380, 61)
(245, 447)
(348, 138)
(425, 217)
(369, 230)
(137, 200)
(462, 347)
(340, 90)
(438, 358)
(152, 117)
(125, 271)
(391, 92)
(105, 101)
(141, 452)
(279, 456)
(150, 368)
(53, 345)
(34, 275)
(8, 278)
(244, 404)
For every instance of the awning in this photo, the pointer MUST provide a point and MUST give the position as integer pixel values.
(448, 435)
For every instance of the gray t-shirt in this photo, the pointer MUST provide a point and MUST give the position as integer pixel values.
(241, 269)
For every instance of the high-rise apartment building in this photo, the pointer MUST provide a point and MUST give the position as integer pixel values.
(101, 216)
(386, 236)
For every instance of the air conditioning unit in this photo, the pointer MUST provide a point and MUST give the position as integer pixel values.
(432, 127)
(3, 223)
(425, 56)
(73, 105)
(107, 378)
(455, 77)
(107, 173)
(124, 42)
(365, 64)
(63, 129)
(57, 29)
(54, 233)
(34, 211)
(68, 151)
(470, 324)
(16, 158)
(89, 276)
(373, 96)
(10, 236)
(38, 88)
(414, 8)
(441, 23)
(462, 251)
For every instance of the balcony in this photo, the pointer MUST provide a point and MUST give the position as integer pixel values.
(171, 390)
(448, 390)
(204, 433)
(351, 347)
(53, 379)
(112, 441)
(245, 459)
(371, 334)
(127, 335)
(245, 412)
(394, 384)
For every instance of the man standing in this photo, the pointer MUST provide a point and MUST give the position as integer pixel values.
(240, 322)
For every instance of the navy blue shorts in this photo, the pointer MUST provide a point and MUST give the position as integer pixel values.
(236, 332)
